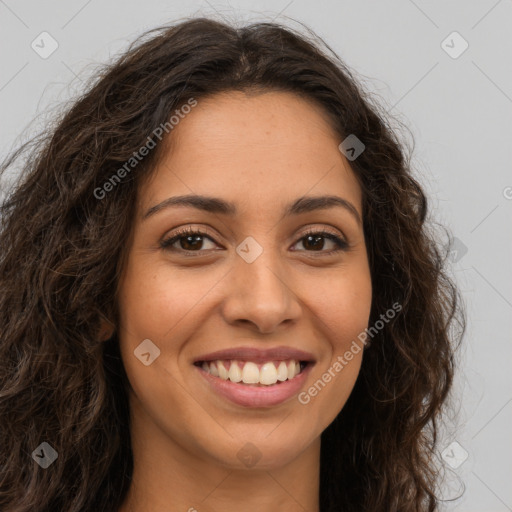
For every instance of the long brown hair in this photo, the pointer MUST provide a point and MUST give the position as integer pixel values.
(62, 249)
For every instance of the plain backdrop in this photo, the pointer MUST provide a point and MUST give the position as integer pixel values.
(443, 68)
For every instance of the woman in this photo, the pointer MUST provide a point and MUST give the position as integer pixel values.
(218, 290)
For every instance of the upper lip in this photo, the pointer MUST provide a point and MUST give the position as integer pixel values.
(257, 355)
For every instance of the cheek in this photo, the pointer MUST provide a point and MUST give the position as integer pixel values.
(342, 308)
(153, 303)
(333, 381)
(150, 308)
(343, 305)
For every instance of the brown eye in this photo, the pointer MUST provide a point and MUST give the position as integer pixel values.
(314, 241)
(189, 240)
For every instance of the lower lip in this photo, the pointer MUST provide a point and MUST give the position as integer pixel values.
(257, 396)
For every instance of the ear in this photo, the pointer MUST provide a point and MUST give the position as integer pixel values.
(106, 330)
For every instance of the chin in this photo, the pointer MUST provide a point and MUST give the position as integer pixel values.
(258, 452)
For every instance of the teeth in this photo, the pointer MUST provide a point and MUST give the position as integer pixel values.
(213, 369)
(234, 374)
(252, 373)
(223, 373)
(282, 371)
(291, 369)
(268, 374)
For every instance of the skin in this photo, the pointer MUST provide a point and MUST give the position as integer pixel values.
(260, 151)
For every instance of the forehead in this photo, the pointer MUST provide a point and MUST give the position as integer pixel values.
(253, 149)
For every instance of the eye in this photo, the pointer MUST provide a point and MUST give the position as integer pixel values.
(314, 241)
(190, 240)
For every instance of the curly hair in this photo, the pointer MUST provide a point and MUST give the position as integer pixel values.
(62, 251)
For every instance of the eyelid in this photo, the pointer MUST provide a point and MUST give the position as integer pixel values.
(324, 229)
(191, 230)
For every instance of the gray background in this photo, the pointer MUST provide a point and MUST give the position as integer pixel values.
(459, 110)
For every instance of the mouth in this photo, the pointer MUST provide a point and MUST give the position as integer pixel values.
(251, 373)
(255, 384)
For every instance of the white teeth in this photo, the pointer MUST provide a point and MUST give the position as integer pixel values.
(223, 373)
(268, 374)
(291, 369)
(251, 373)
(234, 374)
(213, 369)
(282, 371)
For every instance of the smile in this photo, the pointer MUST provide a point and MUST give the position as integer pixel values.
(249, 384)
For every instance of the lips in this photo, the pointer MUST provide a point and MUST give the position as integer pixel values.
(253, 395)
(280, 387)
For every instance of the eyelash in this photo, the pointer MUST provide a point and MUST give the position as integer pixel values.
(166, 244)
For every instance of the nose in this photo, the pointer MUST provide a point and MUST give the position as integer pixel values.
(260, 295)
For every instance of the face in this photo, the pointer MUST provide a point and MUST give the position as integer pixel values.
(272, 284)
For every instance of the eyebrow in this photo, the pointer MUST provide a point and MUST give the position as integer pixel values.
(220, 206)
